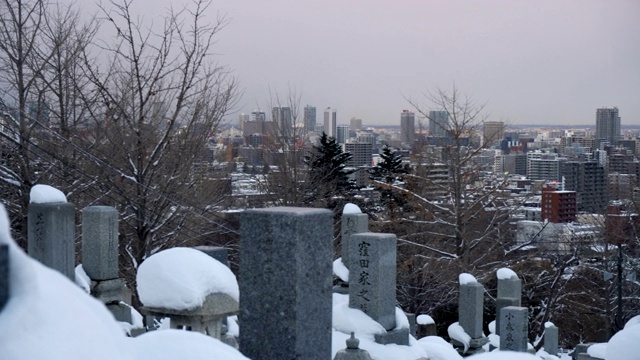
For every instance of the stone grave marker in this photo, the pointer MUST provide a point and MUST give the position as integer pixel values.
(4, 275)
(470, 309)
(551, 339)
(510, 288)
(514, 328)
(352, 223)
(502, 303)
(51, 236)
(100, 242)
(285, 281)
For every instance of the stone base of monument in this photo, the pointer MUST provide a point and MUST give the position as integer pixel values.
(207, 319)
(115, 295)
(120, 311)
(396, 336)
(475, 346)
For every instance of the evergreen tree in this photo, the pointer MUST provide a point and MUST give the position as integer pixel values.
(328, 174)
(389, 167)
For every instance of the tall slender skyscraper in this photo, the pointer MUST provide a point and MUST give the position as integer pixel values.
(407, 126)
(309, 118)
(330, 122)
(438, 123)
(342, 134)
(608, 125)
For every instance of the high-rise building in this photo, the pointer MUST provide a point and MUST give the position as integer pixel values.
(589, 180)
(361, 153)
(330, 122)
(342, 134)
(438, 123)
(608, 125)
(407, 126)
(543, 166)
(309, 118)
(355, 124)
(243, 118)
(282, 121)
(492, 133)
(558, 206)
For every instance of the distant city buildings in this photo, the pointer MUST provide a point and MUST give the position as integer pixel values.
(608, 125)
(282, 121)
(361, 153)
(309, 118)
(342, 134)
(407, 127)
(355, 124)
(492, 133)
(438, 123)
(330, 122)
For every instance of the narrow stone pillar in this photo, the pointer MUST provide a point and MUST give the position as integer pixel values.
(285, 283)
(510, 288)
(551, 340)
(372, 276)
(352, 223)
(4, 275)
(470, 309)
(51, 236)
(100, 242)
(514, 328)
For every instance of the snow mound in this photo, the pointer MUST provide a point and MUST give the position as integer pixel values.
(43, 194)
(350, 208)
(633, 321)
(506, 273)
(456, 332)
(82, 279)
(625, 344)
(178, 344)
(181, 279)
(465, 278)
(492, 327)
(597, 351)
(424, 320)
(504, 355)
(548, 324)
(49, 317)
(402, 321)
(438, 349)
(348, 320)
(340, 270)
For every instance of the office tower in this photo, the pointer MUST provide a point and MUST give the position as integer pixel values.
(258, 115)
(543, 166)
(355, 124)
(492, 133)
(608, 125)
(342, 134)
(361, 153)
(558, 206)
(407, 127)
(309, 118)
(282, 121)
(330, 122)
(438, 123)
(589, 180)
(256, 124)
(243, 118)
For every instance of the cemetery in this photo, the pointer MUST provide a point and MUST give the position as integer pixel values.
(282, 305)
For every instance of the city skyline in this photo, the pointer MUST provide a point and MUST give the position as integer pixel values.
(543, 62)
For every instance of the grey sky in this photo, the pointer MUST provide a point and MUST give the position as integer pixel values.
(531, 62)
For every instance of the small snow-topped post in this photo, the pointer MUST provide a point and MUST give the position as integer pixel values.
(100, 259)
(514, 328)
(51, 229)
(353, 222)
(470, 311)
(425, 326)
(509, 285)
(285, 282)
(551, 338)
(352, 352)
(4, 275)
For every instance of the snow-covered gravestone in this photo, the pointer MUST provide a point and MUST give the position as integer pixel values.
(470, 310)
(285, 282)
(51, 229)
(353, 222)
(4, 275)
(551, 338)
(509, 285)
(514, 328)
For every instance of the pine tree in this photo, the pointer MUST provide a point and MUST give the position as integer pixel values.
(389, 167)
(328, 173)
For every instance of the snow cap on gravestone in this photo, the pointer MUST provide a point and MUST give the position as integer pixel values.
(43, 194)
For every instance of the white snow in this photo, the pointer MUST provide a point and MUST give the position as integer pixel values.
(438, 349)
(466, 278)
(548, 324)
(597, 351)
(178, 344)
(340, 270)
(633, 321)
(625, 344)
(42, 194)
(506, 273)
(424, 320)
(181, 278)
(82, 279)
(402, 322)
(347, 320)
(350, 208)
(504, 355)
(232, 326)
(492, 327)
(456, 332)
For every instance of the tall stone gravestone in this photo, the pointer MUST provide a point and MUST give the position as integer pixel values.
(352, 223)
(551, 339)
(514, 328)
(470, 314)
(100, 258)
(510, 288)
(285, 283)
(4, 275)
(51, 235)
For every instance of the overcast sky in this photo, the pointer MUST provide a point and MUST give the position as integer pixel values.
(531, 62)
